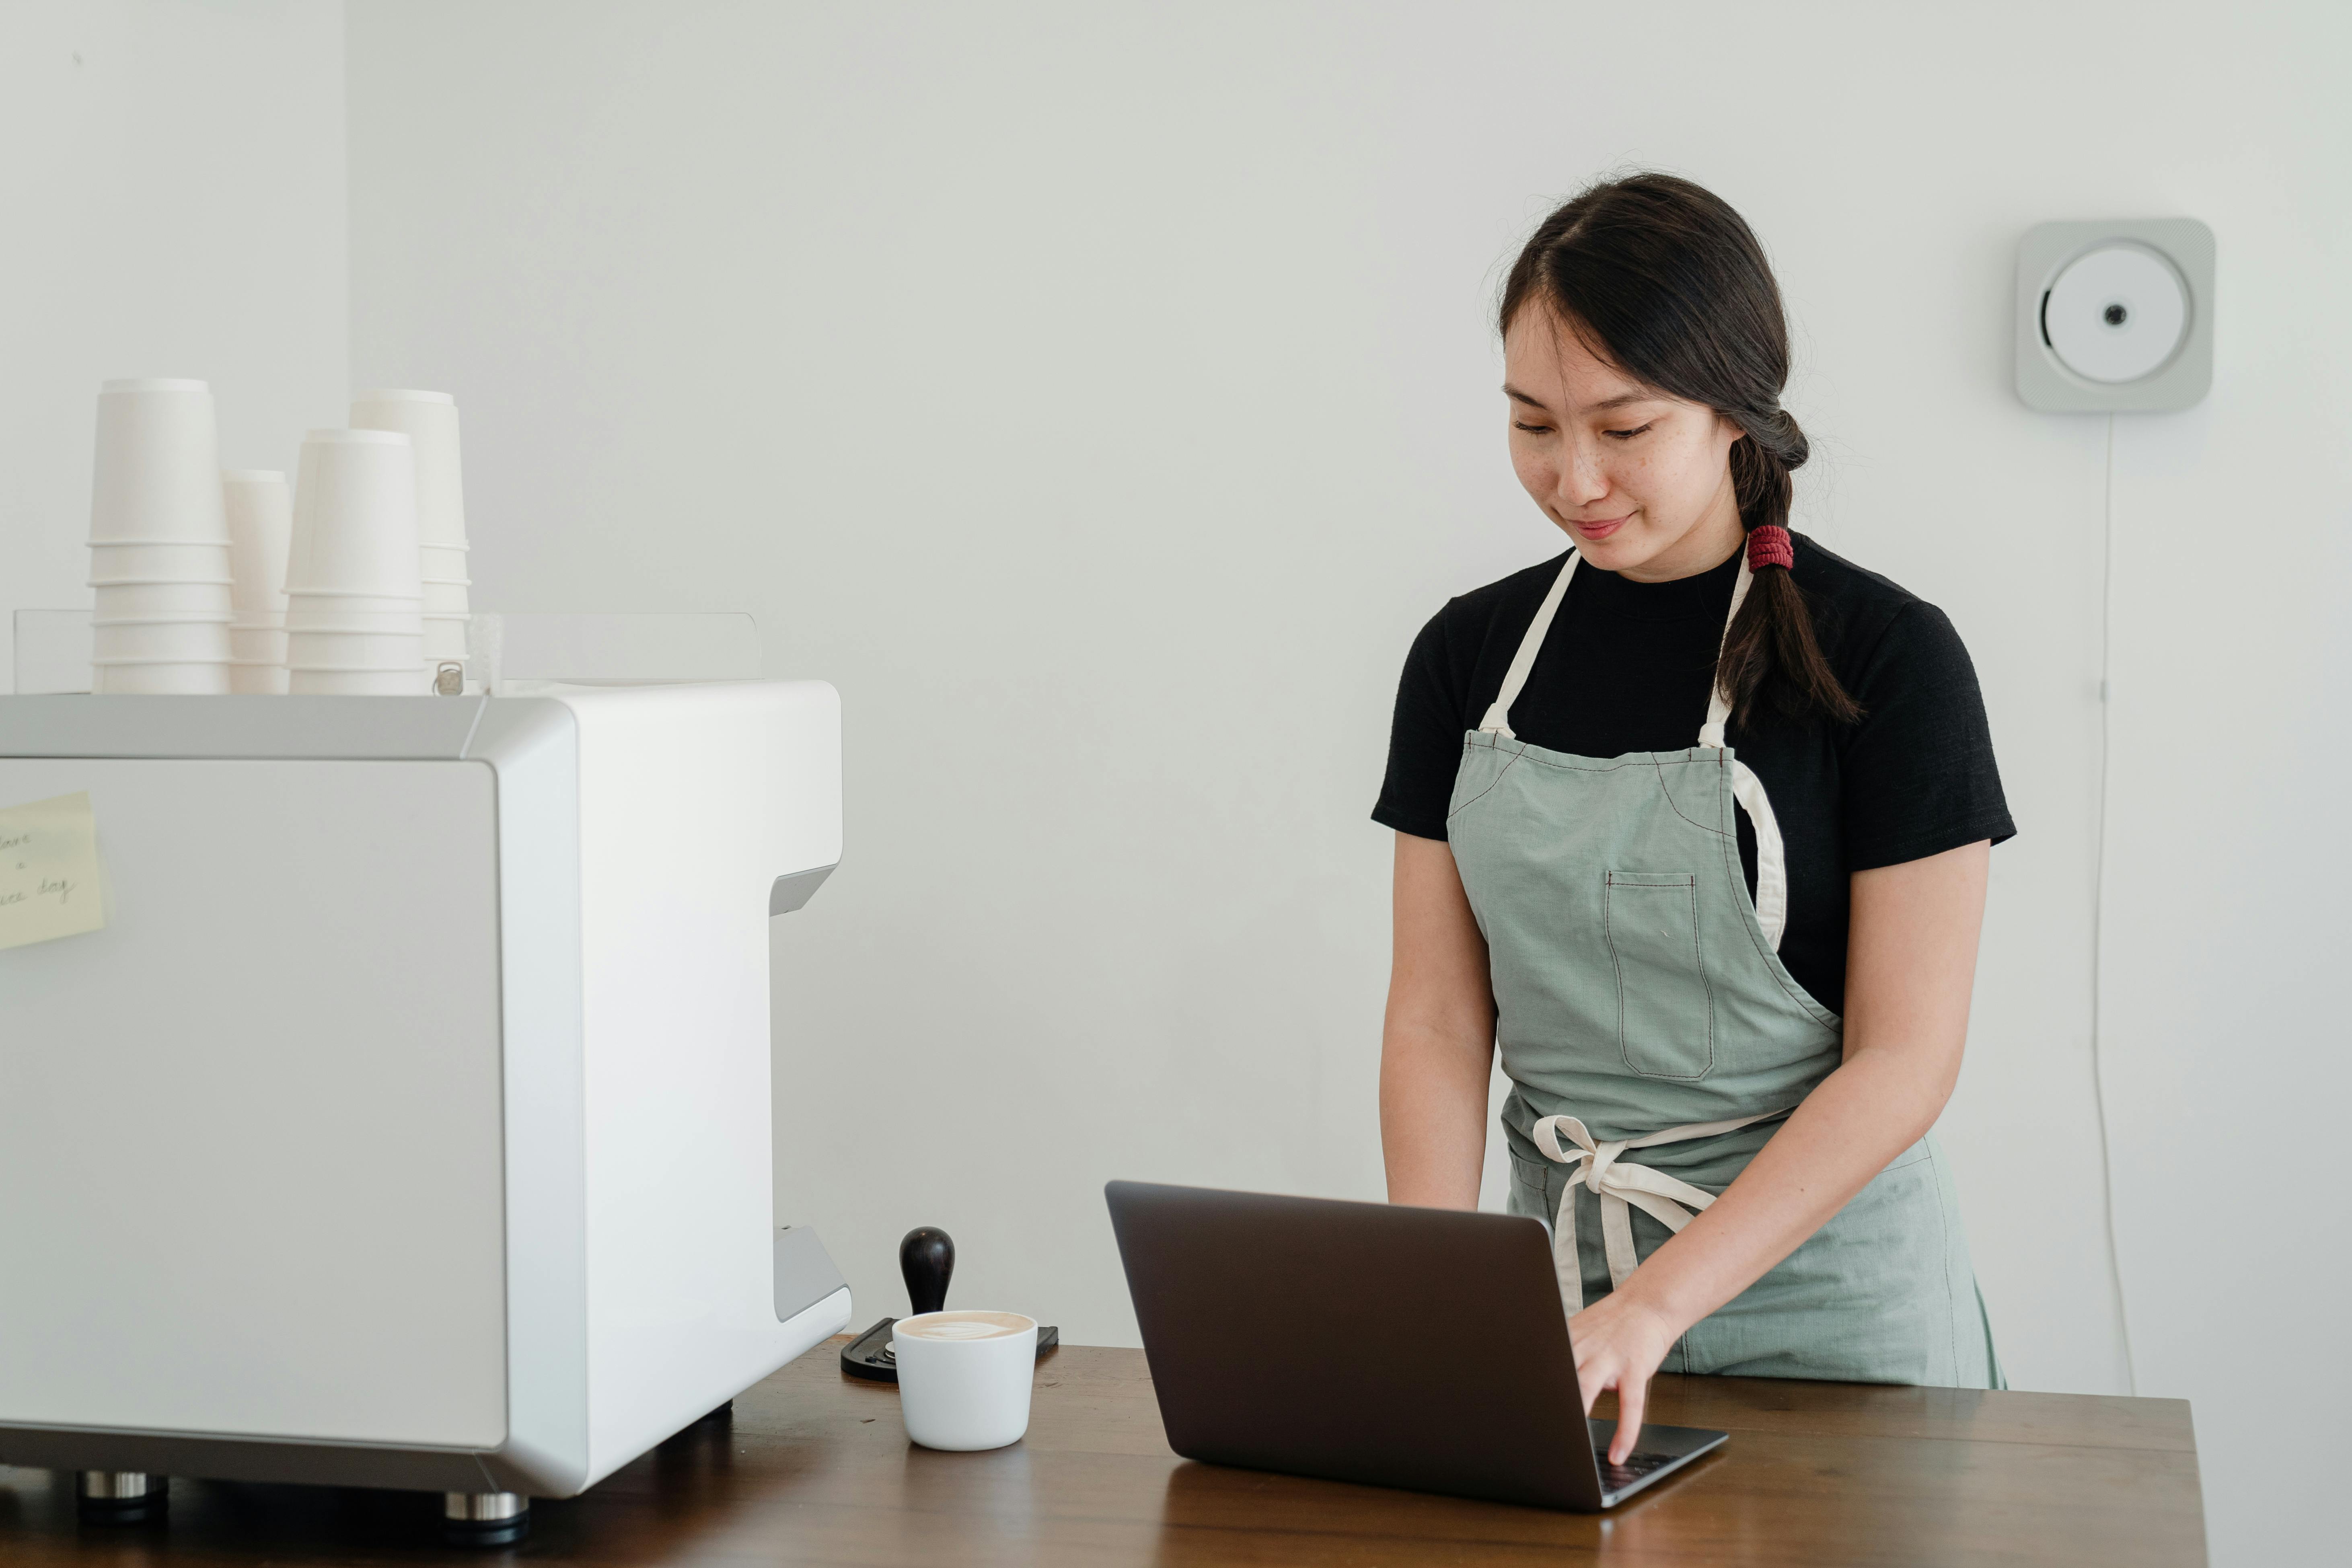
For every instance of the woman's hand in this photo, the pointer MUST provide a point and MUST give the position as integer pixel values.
(1620, 1342)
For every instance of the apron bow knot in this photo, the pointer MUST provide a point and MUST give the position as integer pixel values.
(1621, 1185)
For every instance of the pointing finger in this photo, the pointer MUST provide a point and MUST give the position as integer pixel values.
(1632, 1393)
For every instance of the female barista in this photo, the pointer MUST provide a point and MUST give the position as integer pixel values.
(1708, 864)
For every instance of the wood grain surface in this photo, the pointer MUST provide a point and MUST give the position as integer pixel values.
(815, 1467)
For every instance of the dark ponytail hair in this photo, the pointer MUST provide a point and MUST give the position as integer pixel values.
(1663, 278)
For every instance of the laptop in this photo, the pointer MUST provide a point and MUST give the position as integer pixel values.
(1403, 1347)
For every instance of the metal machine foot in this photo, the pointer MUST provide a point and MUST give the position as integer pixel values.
(121, 1496)
(484, 1519)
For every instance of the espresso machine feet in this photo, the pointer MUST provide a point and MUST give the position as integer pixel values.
(484, 1519)
(121, 1496)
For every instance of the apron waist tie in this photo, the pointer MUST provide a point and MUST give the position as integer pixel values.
(1598, 1167)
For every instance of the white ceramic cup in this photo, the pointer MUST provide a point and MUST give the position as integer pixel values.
(155, 472)
(429, 419)
(354, 528)
(260, 529)
(964, 1377)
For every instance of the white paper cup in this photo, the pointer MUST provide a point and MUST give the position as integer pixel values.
(355, 516)
(445, 638)
(409, 682)
(429, 419)
(331, 615)
(354, 650)
(446, 599)
(170, 601)
(256, 678)
(260, 531)
(444, 564)
(965, 1392)
(152, 679)
(126, 563)
(155, 467)
(257, 659)
(303, 601)
(174, 642)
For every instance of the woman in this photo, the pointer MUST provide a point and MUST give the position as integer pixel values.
(1709, 865)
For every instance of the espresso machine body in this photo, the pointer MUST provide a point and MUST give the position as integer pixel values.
(407, 1123)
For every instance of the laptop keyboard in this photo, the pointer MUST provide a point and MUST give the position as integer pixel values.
(1617, 1478)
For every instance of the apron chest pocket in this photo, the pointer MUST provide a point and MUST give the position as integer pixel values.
(1665, 1010)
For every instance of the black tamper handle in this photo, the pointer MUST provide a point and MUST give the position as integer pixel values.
(927, 1259)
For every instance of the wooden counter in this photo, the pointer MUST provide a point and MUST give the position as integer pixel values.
(815, 1468)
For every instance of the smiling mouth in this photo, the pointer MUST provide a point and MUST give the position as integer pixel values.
(1599, 528)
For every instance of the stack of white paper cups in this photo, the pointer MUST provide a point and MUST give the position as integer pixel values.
(354, 596)
(261, 524)
(158, 542)
(429, 419)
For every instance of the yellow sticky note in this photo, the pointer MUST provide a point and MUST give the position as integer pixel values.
(49, 884)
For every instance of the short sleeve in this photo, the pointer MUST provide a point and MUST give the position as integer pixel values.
(1918, 774)
(1424, 740)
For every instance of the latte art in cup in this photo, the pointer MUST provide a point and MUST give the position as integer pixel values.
(964, 1325)
(964, 1377)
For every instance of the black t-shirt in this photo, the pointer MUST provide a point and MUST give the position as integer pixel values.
(1628, 667)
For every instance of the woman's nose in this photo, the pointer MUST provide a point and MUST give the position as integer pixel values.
(1580, 482)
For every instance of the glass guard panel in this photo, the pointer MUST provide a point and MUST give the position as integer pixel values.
(52, 652)
(513, 655)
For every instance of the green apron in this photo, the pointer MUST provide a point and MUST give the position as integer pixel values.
(1641, 1005)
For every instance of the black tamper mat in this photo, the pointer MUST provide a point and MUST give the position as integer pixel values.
(926, 1261)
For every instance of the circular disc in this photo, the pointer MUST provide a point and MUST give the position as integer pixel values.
(2115, 314)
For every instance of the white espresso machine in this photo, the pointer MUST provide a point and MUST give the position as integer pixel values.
(408, 1121)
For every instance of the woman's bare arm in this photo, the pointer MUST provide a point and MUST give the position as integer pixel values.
(1437, 1047)
(1911, 959)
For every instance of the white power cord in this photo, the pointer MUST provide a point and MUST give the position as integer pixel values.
(2098, 911)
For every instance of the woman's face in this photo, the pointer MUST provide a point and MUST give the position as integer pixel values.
(1640, 480)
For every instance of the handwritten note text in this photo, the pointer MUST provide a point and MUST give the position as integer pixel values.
(49, 884)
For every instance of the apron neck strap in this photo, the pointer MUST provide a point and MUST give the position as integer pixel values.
(1718, 701)
(1497, 720)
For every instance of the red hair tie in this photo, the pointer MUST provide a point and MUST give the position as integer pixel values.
(1770, 546)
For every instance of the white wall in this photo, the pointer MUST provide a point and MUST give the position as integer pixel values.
(1102, 396)
(173, 177)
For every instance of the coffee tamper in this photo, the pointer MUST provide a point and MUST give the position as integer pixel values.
(926, 1262)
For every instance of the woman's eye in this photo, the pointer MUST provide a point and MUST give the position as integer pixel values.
(1627, 435)
(1523, 425)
